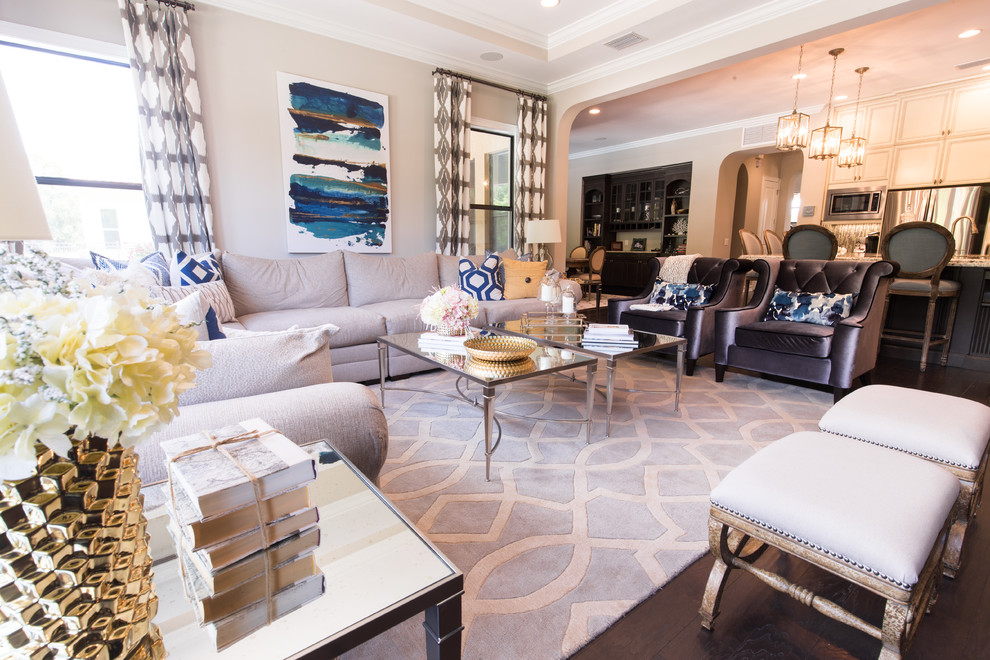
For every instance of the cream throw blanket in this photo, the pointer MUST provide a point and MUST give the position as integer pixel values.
(673, 269)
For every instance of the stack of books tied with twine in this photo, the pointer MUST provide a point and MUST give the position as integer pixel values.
(433, 342)
(75, 573)
(609, 338)
(244, 527)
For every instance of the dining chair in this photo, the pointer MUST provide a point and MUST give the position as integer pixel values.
(810, 242)
(580, 252)
(774, 243)
(752, 245)
(593, 278)
(922, 249)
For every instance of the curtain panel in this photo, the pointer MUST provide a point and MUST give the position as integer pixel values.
(531, 157)
(175, 178)
(452, 162)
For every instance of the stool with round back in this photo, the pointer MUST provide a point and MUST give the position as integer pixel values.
(810, 242)
(775, 244)
(922, 249)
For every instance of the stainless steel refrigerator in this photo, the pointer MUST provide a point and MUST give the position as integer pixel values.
(942, 205)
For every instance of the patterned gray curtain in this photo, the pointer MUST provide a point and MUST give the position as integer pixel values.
(173, 147)
(531, 166)
(452, 162)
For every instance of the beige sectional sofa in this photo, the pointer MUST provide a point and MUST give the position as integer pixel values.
(366, 296)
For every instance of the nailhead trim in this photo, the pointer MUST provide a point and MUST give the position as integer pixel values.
(936, 459)
(814, 546)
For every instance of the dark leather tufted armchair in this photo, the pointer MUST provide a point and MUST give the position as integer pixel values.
(696, 324)
(817, 353)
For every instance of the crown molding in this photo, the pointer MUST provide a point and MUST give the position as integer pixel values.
(683, 135)
(271, 11)
(485, 21)
(607, 14)
(717, 30)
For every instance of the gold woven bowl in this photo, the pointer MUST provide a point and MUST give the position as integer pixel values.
(499, 348)
(491, 369)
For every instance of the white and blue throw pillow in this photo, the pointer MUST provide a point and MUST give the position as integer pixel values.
(673, 295)
(802, 307)
(484, 281)
(155, 263)
(194, 269)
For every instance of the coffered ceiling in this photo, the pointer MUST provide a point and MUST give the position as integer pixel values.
(699, 63)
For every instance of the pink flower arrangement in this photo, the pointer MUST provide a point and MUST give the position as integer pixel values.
(449, 306)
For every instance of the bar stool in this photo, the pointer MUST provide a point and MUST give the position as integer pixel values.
(810, 242)
(922, 249)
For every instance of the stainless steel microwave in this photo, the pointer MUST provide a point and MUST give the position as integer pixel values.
(862, 204)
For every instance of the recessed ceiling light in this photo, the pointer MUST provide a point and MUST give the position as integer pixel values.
(969, 33)
(491, 56)
(799, 76)
(549, 3)
(594, 111)
(987, 67)
(841, 97)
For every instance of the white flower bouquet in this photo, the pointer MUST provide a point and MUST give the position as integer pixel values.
(80, 359)
(449, 307)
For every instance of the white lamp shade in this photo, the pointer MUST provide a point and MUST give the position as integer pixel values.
(21, 215)
(542, 231)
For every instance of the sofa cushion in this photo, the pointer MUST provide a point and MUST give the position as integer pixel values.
(155, 263)
(806, 307)
(194, 268)
(400, 315)
(303, 358)
(787, 337)
(484, 281)
(448, 265)
(664, 322)
(522, 279)
(372, 278)
(215, 293)
(674, 295)
(262, 285)
(357, 326)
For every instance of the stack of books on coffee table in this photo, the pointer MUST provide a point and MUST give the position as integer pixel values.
(609, 338)
(243, 523)
(437, 343)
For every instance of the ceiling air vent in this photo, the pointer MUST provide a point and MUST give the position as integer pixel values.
(759, 135)
(970, 65)
(625, 41)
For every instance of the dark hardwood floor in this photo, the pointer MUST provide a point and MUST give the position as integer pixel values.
(758, 622)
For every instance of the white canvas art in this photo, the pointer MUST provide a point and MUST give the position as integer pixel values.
(335, 166)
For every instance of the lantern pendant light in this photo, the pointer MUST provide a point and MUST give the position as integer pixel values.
(825, 140)
(793, 129)
(852, 151)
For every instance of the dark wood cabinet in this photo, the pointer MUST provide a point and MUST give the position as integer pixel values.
(653, 203)
(626, 273)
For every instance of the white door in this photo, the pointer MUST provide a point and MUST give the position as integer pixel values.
(768, 204)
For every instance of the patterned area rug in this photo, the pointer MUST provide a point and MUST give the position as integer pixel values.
(569, 536)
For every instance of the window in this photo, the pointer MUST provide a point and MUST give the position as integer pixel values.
(78, 121)
(491, 191)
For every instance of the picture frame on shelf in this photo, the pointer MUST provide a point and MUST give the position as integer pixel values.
(639, 245)
(616, 246)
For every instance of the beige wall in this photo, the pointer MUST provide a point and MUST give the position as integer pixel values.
(237, 59)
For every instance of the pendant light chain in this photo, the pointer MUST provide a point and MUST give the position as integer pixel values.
(859, 93)
(831, 88)
(797, 85)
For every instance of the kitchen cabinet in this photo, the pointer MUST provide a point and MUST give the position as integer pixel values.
(923, 117)
(970, 110)
(594, 196)
(943, 162)
(875, 122)
(626, 273)
(875, 167)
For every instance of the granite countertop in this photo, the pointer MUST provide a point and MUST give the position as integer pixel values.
(969, 261)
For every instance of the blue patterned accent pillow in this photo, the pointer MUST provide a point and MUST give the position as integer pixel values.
(801, 307)
(673, 295)
(483, 281)
(154, 262)
(195, 269)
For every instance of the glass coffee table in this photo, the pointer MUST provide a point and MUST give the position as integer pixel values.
(489, 377)
(379, 570)
(568, 336)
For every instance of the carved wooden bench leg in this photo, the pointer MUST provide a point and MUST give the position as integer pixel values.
(717, 533)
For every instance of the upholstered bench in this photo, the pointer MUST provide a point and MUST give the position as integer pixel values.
(872, 516)
(947, 430)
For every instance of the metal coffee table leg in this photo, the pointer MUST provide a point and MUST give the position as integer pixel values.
(488, 410)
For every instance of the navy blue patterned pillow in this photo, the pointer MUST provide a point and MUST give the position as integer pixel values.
(482, 281)
(154, 262)
(801, 307)
(680, 296)
(194, 269)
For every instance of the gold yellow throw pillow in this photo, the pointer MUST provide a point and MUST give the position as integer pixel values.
(522, 278)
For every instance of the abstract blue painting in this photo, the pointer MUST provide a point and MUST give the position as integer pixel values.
(335, 164)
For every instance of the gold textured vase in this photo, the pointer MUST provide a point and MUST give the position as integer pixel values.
(451, 330)
(76, 579)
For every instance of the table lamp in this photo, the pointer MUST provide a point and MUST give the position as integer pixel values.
(540, 232)
(21, 215)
